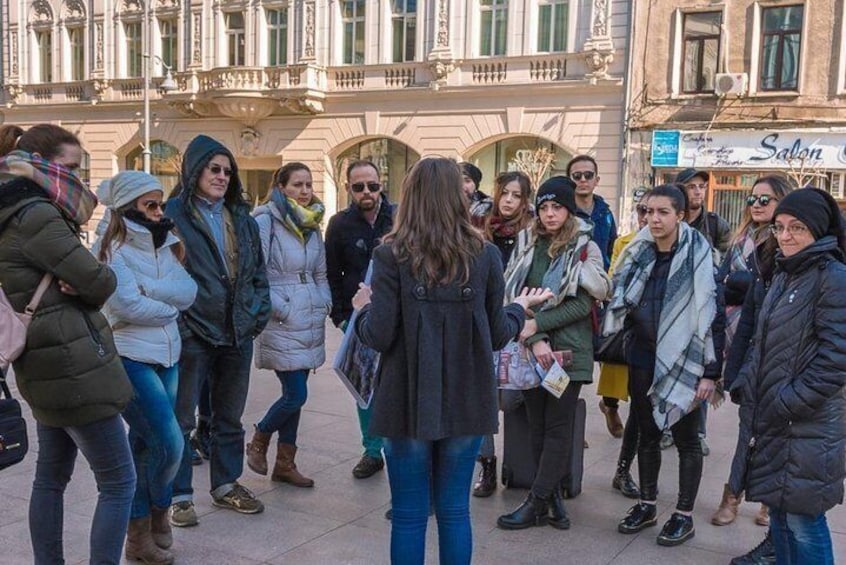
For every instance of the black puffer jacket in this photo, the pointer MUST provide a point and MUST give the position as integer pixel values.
(794, 379)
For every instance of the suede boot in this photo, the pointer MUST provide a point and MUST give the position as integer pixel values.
(727, 511)
(285, 470)
(257, 451)
(160, 528)
(763, 516)
(612, 419)
(140, 545)
(533, 512)
(486, 485)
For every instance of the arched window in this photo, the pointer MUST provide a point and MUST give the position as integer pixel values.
(538, 158)
(392, 158)
(165, 163)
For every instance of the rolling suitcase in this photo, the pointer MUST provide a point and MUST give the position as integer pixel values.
(518, 465)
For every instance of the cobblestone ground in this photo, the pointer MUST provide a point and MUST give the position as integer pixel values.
(341, 519)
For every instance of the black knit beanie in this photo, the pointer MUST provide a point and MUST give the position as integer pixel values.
(813, 207)
(559, 189)
(472, 171)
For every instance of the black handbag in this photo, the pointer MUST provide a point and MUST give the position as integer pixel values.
(13, 439)
(613, 348)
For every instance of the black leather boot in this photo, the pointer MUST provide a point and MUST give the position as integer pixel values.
(486, 485)
(533, 512)
(639, 517)
(763, 554)
(557, 512)
(677, 530)
(623, 480)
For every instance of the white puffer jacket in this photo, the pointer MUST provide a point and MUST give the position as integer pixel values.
(152, 288)
(299, 296)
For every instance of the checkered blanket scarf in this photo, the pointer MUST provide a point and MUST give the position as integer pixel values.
(685, 344)
(67, 192)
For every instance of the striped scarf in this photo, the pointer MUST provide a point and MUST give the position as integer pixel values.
(64, 189)
(685, 344)
(566, 273)
(297, 219)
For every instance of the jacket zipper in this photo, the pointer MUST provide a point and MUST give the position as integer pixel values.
(95, 335)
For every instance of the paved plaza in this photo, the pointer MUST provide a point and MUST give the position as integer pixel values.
(341, 520)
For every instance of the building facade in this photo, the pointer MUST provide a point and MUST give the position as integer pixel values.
(502, 83)
(740, 88)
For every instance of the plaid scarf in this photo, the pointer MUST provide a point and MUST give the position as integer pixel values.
(566, 273)
(299, 220)
(685, 344)
(64, 189)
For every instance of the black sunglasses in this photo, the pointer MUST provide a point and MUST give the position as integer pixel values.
(217, 169)
(370, 186)
(153, 205)
(763, 199)
(579, 175)
(641, 210)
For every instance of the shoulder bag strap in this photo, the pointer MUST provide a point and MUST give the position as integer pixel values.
(3, 386)
(39, 293)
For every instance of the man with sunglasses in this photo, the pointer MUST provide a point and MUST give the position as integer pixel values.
(351, 237)
(223, 255)
(582, 169)
(715, 229)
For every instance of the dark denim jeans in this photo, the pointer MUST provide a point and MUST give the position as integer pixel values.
(450, 463)
(800, 539)
(227, 369)
(154, 435)
(284, 415)
(104, 445)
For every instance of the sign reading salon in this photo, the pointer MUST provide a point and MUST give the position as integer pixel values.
(749, 149)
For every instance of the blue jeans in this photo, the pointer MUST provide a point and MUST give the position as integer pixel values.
(284, 415)
(227, 369)
(800, 539)
(104, 444)
(450, 463)
(154, 435)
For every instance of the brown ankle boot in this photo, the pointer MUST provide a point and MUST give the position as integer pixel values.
(763, 516)
(257, 451)
(727, 511)
(140, 545)
(160, 528)
(612, 419)
(285, 470)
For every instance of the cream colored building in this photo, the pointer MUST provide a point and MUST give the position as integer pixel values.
(740, 88)
(323, 81)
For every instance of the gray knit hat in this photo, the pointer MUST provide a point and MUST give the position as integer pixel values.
(126, 186)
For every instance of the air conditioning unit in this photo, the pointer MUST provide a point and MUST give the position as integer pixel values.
(731, 83)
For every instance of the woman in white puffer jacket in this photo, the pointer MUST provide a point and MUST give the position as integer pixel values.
(293, 343)
(152, 289)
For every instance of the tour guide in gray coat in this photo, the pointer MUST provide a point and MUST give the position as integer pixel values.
(223, 255)
(795, 378)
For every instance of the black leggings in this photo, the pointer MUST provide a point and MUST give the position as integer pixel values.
(685, 435)
(551, 422)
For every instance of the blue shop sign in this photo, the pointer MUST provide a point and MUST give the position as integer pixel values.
(665, 148)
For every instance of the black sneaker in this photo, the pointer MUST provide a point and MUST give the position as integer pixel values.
(763, 554)
(639, 517)
(677, 530)
(367, 467)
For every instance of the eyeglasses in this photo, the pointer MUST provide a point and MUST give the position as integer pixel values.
(641, 210)
(579, 175)
(793, 229)
(217, 169)
(763, 199)
(694, 185)
(153, 205)
(370, 186)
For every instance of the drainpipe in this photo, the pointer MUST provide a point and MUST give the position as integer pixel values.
(627, 100)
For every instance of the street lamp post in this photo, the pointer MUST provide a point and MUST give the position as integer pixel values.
(167, 85)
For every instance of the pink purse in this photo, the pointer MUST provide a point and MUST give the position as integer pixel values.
(13, 324)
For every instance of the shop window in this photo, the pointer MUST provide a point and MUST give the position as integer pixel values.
(393, 159)
(538, 158)
(494, 27)
(781, 44)
(404, 27)
(553, 21)
(701, 51)
(165, 163)
(352, 16)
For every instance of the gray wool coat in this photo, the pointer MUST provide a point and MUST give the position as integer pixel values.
(300, 299)
(436, 378)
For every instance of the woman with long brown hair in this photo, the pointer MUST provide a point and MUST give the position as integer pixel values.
(436, 316)
(152, 289)
(511, 213)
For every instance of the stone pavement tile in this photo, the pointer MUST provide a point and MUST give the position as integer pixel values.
(17, 546)
(349, 544)
(201, 555)
(259, 537)
(644, 551)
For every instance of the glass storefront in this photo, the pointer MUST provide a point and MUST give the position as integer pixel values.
(392, 158)
(165, 163)
(538, 158)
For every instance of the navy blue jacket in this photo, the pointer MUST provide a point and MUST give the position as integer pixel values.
(604, 228)
(226, 311)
